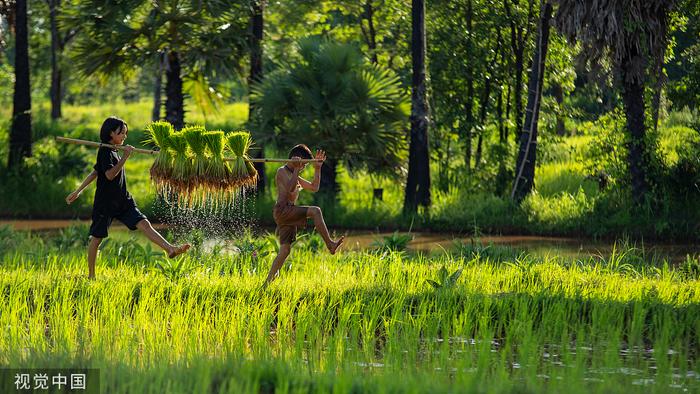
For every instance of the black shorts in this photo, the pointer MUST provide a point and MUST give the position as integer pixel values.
(129, 215)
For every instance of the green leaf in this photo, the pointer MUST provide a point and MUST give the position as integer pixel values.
(433, 283)
(455, 275)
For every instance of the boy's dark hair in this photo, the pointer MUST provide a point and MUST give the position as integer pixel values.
(109, 125)
(302, 151)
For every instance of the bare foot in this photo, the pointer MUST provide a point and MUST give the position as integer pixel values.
(178, 250)
(336, 244)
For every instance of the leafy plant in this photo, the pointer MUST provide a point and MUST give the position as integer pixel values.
(395, 242)
(475, 249)
(131, 251)
(690, 268)
(311, 241)
(177, 270)
(8, 239)
(74, 236)
(445, 280)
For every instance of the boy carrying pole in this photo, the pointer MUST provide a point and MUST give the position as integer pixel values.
(289, 216)
(112, 200)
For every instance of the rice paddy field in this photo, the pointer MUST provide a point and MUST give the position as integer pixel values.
(378, 320)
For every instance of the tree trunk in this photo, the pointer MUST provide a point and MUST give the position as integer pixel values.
(658, 89)
(482, 119)
(469, 108)
(256, 74)
(518, 93)
(484, 106)
(527, 154)
(559, 97)
(418, 182)
(633, 101)
(55, 91)
(499, 79)
(21, 129)
(372, 34)
(158, 88)
(499, 117)
(508, 95)
(518, 37)
(174, 99)
(329, 188)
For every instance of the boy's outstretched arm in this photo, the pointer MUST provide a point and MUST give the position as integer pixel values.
(314, 185)
(88, 180)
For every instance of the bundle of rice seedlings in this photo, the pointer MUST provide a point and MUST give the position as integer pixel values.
(196, 142)
(217, 172)
(180, 180)
(242, 172)
(159, 134)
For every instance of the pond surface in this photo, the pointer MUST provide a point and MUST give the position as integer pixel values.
(541, 246)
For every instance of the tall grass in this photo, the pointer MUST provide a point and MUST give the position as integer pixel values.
(353, 322)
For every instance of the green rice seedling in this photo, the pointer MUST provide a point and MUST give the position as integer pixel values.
(197, 191)
(197, 144)
(159, 134)
(349, 322)
(217, 171)
(242, 173)
(180, 182)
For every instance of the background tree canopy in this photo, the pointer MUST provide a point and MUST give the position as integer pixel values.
(333, 98)
(611, 128)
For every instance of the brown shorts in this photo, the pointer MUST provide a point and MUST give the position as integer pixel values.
(288, 217)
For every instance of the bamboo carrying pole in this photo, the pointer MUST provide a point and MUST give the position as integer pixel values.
(153, 152)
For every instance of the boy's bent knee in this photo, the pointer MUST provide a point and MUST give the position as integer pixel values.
(143, 224)
(314, 211)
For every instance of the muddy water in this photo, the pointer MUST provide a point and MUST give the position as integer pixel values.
(436, 242)
(537, 245)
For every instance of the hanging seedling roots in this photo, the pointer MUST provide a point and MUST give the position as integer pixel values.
(190, 170)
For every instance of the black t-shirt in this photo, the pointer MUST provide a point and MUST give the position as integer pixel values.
(110, 196)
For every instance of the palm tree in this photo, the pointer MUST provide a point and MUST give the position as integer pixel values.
(332, 99)
(418, 182)
(21, 131)
(632, 34)
(527, 154)
(60, 37)
(200, 40)
(257, 8)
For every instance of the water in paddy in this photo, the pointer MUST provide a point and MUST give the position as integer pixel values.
(215, 230)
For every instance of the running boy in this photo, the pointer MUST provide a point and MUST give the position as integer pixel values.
(112, 200)
(287, 215)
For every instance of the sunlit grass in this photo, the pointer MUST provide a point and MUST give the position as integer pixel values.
(352, 322)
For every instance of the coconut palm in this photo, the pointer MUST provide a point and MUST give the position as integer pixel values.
(632, 35)
(257, 10)
(527, 152)
(333, 99)
(418, 182)
(201, 40)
